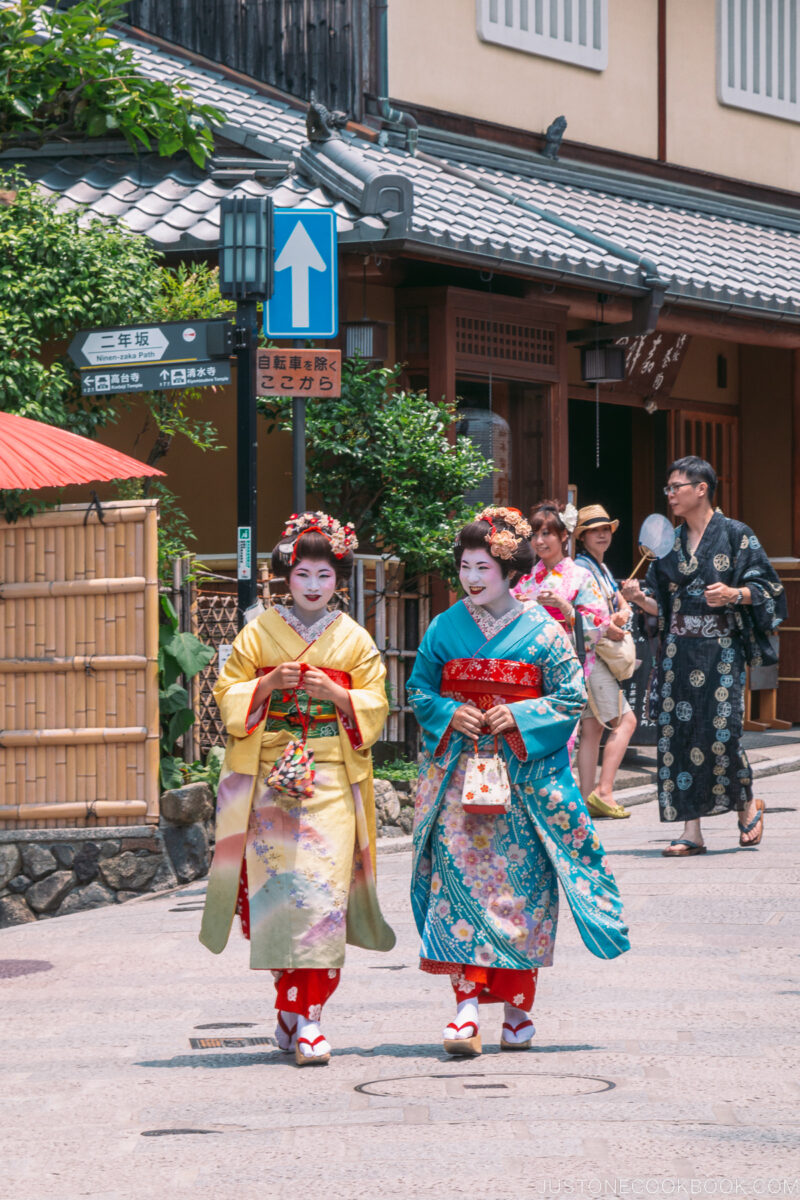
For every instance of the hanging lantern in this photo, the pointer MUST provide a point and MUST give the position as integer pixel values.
(602, 364)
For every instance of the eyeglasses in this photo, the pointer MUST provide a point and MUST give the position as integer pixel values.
(674, 487)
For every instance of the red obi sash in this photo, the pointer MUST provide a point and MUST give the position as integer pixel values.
(490, 681)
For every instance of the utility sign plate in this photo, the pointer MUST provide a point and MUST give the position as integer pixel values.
(243, 545)
(304, 302)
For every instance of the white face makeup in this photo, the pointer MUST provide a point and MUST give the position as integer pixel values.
(481, 577)
(312, 583)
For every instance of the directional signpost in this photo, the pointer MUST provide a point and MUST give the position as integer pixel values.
(146, 358)
(304, 304)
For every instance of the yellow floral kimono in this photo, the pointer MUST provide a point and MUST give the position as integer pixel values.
(310, 863)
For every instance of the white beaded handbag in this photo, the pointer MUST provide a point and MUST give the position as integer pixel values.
(487, 788)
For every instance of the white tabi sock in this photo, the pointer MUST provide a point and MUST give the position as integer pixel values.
(312, 1046)
(466, 1011)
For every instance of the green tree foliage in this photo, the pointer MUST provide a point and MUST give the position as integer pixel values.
(64, 75)
(381, 457)
(181, 656)
(58, 274)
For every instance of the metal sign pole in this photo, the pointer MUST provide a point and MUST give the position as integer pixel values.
(299, 448)
(246, 457)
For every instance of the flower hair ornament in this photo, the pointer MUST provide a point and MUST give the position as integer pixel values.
(504, 542)
(569, 518)
(342, 538)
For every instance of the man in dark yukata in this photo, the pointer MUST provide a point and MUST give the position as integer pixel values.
(717, 599)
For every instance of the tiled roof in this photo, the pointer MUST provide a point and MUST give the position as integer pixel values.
(712, 251)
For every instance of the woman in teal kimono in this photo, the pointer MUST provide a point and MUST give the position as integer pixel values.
(485, 888)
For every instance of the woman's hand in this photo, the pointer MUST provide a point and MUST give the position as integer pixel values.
(320, 687)
(553, 600)
(499, 719)
(468, 719)
(632, 590)
(615, 631)
(284, 678)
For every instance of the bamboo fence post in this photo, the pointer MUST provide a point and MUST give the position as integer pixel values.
(152, 749)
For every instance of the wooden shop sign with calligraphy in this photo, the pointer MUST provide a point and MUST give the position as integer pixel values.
(299, 373)
(652, 362)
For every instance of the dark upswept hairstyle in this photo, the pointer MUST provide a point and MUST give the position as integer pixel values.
(473, 537)
(696, 470)
(311, 545)
(547, 515)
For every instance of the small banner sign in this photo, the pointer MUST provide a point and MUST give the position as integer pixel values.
(299, 373)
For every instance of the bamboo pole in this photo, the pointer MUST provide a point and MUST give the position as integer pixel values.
(126, 735)
(79, 808)
(152, 749)
(74, 662)
(71, 587)
(125, 511)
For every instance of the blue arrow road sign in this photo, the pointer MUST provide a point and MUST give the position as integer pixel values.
(304, 303)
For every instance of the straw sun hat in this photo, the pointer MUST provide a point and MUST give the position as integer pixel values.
(593, 516)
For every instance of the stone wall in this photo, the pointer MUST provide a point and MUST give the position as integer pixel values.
(394, 808)
(52, 872)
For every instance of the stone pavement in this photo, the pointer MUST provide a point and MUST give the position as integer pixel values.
(670, 1071)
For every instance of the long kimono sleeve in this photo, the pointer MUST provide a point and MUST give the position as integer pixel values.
(433, 711)
(235, 688)
(756, 621)
(368, 698)
(590, 605)
(546, 724)
(656, 585)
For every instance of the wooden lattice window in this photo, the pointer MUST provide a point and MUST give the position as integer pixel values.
(759, 56)
(574, 31)
(505, 341)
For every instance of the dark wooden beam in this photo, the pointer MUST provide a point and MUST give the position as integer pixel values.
(796, 454)
(662, 81)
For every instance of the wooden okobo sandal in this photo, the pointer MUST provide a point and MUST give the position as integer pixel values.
(469, 1047)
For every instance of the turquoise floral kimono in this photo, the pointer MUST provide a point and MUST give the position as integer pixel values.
(485, 888)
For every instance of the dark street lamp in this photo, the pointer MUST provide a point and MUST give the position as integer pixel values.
(245, 275)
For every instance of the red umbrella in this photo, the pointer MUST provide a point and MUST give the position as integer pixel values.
(34, 455)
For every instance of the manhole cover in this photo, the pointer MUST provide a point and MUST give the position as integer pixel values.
(12, 968)
(212, 1043)
(531, 1085)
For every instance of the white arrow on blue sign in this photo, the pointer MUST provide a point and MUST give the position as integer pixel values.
(304, 301)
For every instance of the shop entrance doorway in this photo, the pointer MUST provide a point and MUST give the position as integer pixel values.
(618, 457)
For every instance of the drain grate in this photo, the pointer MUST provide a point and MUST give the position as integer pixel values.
(212, 1043)
(485, 1087)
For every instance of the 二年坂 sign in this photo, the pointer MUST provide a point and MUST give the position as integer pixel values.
(299, 373)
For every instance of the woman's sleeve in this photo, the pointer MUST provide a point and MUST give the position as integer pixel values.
(433, 711)
(589, 602)
(546, 724)
(235, 688)
(368, 698)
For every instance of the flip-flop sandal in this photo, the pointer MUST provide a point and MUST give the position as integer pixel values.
(504, 1045)
(743, 829)
(683, 848)
(463, 1046)
(284, 1036)
(311, 1060)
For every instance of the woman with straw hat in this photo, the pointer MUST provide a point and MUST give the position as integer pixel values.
(607, 706)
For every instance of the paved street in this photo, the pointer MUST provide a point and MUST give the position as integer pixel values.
(678, 1062)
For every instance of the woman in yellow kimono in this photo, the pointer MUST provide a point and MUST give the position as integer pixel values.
(300, 872)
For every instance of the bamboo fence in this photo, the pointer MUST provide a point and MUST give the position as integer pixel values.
(79, 738)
